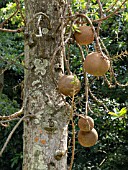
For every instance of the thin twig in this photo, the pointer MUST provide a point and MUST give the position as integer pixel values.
(14, 31)
(111, 7)
(60, 46)
(103, 161)
(97, 100)
(73, 132)
(6, 121)
(62, 38)
(121, 85)
(12, 116)
(101, 16)
(101, 19)
(110, 85)
(13, 130)
(120, 56)
(9, 63)
(86, 80)
(86, 93)
(100, 8)
(112, 76)
(87, 6)
(108, 16)
(107, 53)
(70, 32)
(104, 47)
(4, 22)
(19, 7)
(81, 51)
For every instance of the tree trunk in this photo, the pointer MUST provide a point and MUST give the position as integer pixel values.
(45, 135)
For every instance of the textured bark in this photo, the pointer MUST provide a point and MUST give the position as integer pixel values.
(45, 135)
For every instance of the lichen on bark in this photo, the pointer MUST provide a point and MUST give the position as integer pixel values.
(46, 133)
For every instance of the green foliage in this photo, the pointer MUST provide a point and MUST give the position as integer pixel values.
(10, 51)
(111, 150)
(7, 106)
(16, 159)
(75, 28)
(6, 12)
(11, 46)
(12, 157)
(118, 113)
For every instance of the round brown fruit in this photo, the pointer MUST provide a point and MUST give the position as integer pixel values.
(96, 64)
(69, 84)
(87, 139)
(86, 123)
(85, 36)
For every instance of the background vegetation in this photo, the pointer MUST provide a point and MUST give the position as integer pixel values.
(111, 150)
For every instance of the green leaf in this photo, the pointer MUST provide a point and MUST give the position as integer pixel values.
(75, 28)
(113, 114)
(117, 113)
(123, 111)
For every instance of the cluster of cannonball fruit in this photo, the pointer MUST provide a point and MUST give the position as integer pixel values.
(95, 63)
(69, 85)
(87, 135)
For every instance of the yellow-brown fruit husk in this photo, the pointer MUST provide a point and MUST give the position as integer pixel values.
(87, 139)
(85, 36)
(86, 123)
(96, 64)
(69, 84)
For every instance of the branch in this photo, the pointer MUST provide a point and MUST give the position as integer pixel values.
(102, 19)
(19, 8)
(101, 16)
(81, 51)
(2, 24)
(14, 31)
(97, 100)
(62, 38)
(73, 132)
(12, 116)
(100, 8)
(111, 69)
(87, 6)
(110, 85)
(10, 135)
(120, 56)
(6, 121)
(107, 10)
(86, 93)
(121, 85)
